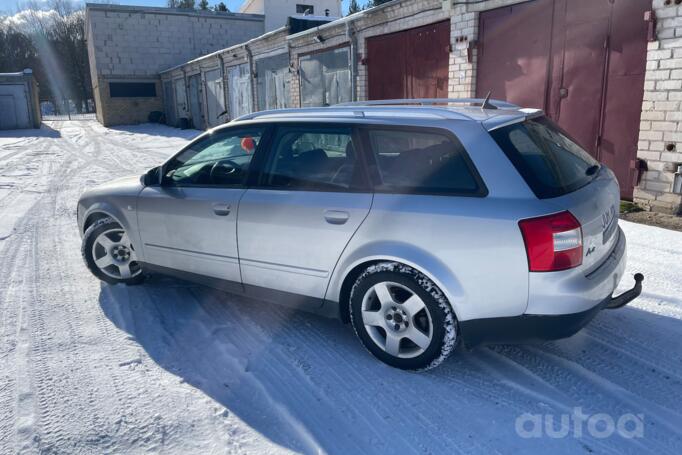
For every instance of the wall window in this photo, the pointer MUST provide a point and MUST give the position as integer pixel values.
(305, 158)
(303, 9)
(219, 159)
(132, 89)
(421, 162)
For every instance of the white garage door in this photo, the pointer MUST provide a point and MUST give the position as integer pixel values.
(215, 98)
(14, 107)
(239, 87)
(181, 98)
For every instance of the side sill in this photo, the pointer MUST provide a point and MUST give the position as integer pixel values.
(296, 301)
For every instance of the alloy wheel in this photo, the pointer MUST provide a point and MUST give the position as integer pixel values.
(114, 255)
(397, 319)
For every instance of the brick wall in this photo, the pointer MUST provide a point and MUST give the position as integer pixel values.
(660, 137)
(120, 111)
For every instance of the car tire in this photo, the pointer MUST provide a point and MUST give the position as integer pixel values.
(109, 254)
(402, 317)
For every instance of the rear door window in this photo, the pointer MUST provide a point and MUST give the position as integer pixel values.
(422, 161)
(312, 158)
(551, 163)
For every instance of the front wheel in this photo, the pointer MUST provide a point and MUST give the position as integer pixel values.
(109, 254)
(402, 317)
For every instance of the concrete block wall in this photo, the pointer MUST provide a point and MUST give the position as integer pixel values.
(134, 44)
(145, 41)
(660, 137)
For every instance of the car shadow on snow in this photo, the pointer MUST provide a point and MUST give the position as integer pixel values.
(306, 383)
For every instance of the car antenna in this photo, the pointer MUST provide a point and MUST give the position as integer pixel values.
(486, 102)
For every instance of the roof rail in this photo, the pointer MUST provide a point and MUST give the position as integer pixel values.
(483, 102)
(354, 110)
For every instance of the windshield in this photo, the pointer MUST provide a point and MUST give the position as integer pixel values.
(551, 163)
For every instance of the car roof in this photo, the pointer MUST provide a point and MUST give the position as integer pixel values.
(491, 113)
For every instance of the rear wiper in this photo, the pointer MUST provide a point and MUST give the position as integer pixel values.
(592, 169)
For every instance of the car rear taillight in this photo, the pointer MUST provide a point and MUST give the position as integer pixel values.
(553, 242)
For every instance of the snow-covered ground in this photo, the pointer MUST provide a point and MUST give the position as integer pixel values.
(173, 368)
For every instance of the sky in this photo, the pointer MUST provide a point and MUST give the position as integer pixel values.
(12, 6)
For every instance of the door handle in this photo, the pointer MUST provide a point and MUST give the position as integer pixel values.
(336, 216)
(221, 209)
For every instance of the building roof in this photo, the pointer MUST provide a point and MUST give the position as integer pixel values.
(172, 11)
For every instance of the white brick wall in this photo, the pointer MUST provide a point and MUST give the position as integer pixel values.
(660, 137)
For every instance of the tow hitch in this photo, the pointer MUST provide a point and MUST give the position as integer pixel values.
(627, 296)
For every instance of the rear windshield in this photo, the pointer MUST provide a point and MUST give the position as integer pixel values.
(551, 163)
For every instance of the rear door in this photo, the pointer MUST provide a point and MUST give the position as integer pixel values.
(296, 221)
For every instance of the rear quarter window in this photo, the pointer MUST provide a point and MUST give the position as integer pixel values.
(551, 163)
(422, 161)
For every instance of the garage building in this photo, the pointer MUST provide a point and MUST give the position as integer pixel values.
(19, 103)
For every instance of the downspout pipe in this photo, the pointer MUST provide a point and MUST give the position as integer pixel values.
(225, 114)
(252, 75)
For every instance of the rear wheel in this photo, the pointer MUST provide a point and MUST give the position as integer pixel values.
(402, 317)
(109, 254)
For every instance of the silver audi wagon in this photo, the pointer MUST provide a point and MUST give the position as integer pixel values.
(423, 223)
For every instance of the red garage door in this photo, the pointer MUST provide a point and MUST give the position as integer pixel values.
(582, 61)
(409, 64)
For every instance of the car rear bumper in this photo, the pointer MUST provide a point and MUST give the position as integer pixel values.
(539, 327)
(577, 290)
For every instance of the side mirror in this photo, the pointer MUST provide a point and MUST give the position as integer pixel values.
(152, 176)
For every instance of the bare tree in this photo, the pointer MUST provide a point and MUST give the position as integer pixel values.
(354, 7)
(58, 35)
(186, 4)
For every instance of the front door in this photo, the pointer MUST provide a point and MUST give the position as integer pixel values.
(295, 223)
(189, 222)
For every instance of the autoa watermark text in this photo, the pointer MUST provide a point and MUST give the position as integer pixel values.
(577, 424)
